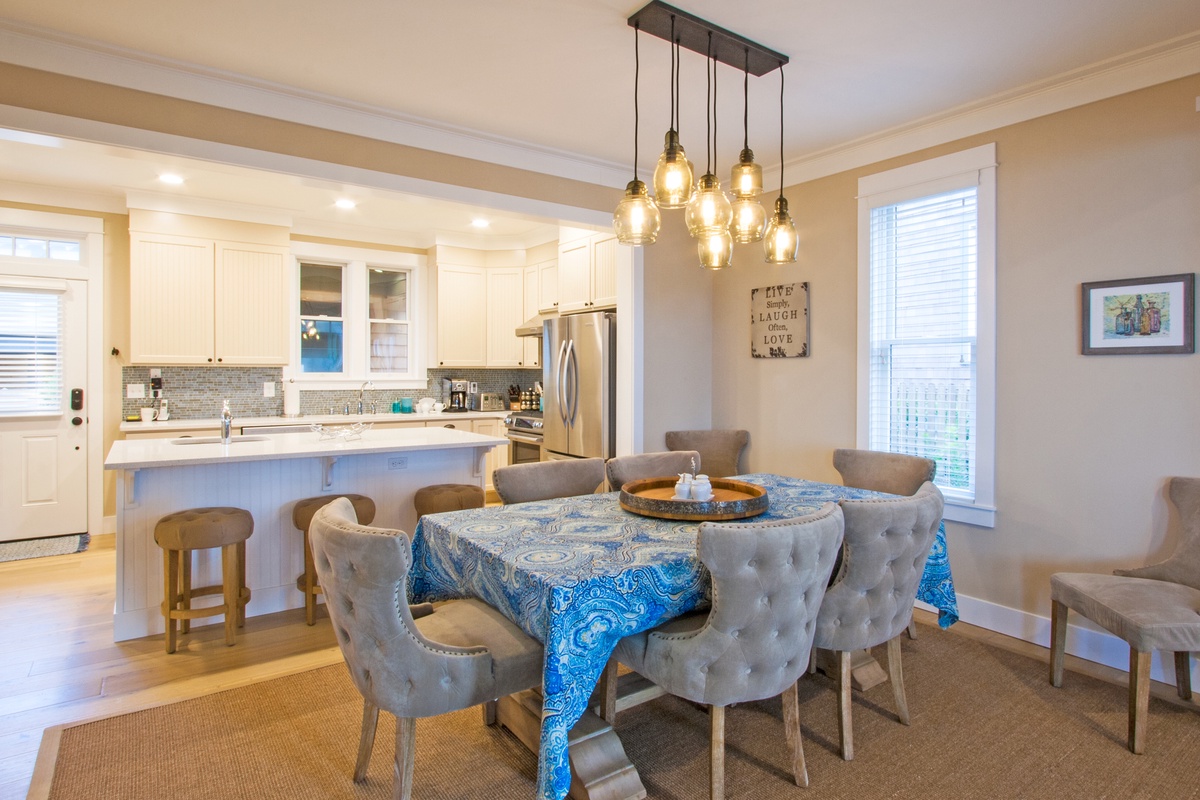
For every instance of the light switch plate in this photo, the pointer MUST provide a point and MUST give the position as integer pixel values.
(473, 387)
(135, 390)
(268, 388)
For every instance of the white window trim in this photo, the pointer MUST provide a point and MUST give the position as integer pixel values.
(974, 167)
(355, 311)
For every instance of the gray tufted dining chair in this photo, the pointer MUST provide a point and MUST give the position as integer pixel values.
(1151, 608)
(768, 579)
(623, 469)
(886, 545)
(721, 450)
(412, 663)
(894, 473)
(546, 480)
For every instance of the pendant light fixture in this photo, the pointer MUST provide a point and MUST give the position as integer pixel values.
(637, 219)
(673, 175)
(708, 212)
(745, 180)
(780, 241)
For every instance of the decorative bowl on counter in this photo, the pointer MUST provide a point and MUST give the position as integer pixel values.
(347, 433)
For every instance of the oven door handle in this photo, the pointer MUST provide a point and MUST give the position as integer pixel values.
(516, 437)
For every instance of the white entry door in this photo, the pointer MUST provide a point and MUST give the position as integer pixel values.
(43, 407)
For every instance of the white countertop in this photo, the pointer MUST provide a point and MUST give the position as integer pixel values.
(305, 419)
(141, 453)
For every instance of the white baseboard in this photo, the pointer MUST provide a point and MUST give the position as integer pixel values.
(109, 524)
(1085, 641)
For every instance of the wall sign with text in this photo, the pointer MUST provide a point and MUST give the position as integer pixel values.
(779, 321)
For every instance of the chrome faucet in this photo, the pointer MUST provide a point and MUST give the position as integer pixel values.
(365, 385)
(226, 422)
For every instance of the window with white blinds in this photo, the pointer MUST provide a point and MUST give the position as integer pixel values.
(927, 357)
(31, 363)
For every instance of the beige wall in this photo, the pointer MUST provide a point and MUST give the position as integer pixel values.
(1085, 443)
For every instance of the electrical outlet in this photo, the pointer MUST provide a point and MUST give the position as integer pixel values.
(473, 387)
(269, 389)
(135, 390)
(398, 462)
(155, 372)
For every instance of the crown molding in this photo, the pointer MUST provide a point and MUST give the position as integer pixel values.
(57, 197)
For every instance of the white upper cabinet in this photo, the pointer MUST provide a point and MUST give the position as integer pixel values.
(505, 311)
(587, 272)
(462, 316)
(548, 286)
(531, 345)
(204, 299)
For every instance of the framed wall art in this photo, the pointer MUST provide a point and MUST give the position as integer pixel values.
(779, 321)
(1136, 316)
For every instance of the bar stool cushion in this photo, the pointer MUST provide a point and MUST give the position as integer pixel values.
(447, 497)
(302, 513)
(201, 528)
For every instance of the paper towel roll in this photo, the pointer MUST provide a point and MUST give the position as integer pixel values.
(291, 399)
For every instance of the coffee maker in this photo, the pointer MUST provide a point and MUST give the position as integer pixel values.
(458, 395)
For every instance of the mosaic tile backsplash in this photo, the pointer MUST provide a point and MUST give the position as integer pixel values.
(197, 392)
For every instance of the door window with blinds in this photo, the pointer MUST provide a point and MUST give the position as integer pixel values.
(927, 322)
(31, 351)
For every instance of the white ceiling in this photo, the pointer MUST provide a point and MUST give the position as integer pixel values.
(551, 80)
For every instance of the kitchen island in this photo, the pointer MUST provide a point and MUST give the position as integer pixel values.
(266, 475)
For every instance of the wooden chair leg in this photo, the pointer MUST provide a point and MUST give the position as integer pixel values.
(1058, 641)
(366, 741)
(489, 712)
(845, 728)
(241, 607)
(912, 629)
(185, 590)
(716, 756)
(1183, 674)
(310, 582)
(170, 595)
(1139, 698)
(608, 692)
(406, 750)
(791, 729)
(896, 676)
(231, 591)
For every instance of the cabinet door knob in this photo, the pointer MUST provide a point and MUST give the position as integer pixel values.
(210, 361)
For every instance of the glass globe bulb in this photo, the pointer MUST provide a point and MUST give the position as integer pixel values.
(749, 220)
(637, 219)
(716, 250)
(709, 210)
(673, 174)
(745, 179)
(780, 241)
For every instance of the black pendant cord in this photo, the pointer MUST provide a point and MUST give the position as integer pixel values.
(637, 68)
(714, 111)
(781, 130)
(674, 78)
(746, 103)
(708, 109)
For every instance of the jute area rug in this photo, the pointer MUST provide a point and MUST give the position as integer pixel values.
(985, 723)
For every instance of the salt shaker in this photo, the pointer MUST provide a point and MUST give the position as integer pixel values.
(683, 487)
(701, 488)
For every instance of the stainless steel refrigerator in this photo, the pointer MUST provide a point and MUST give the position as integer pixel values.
(579, 368)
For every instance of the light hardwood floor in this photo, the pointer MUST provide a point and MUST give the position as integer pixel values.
(58, 662)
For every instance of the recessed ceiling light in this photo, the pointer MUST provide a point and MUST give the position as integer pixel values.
(171, 178)
(480, 222)
(345, 202)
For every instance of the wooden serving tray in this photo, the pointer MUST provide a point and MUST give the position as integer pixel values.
(655, 497)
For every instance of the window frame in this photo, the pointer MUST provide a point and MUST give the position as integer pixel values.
(356, 262)
(973, 167)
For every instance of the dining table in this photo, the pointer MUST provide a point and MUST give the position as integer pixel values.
(580, 573)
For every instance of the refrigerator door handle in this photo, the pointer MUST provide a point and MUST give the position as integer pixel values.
(572, 382)
(560, 388)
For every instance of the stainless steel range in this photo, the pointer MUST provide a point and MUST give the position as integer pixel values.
(524, 432)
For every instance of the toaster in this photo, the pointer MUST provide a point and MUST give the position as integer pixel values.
(492, 401)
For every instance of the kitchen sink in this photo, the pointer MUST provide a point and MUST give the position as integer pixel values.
(217, 439)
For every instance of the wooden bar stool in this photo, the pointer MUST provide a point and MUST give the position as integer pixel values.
(302, 514)
(178, 535)
(447, 497)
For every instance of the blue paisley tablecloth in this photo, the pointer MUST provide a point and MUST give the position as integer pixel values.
(580, 573)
